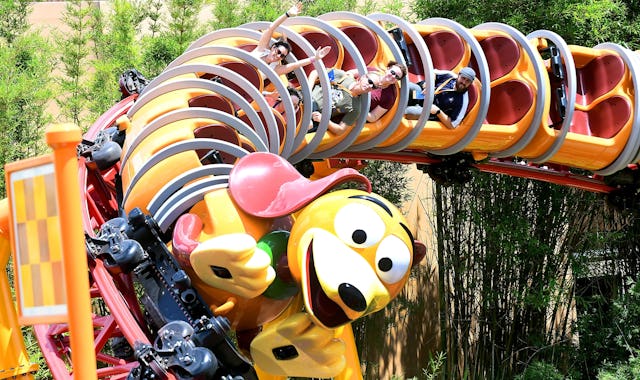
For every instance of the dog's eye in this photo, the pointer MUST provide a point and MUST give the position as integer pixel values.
(359, 226)
(392, 259)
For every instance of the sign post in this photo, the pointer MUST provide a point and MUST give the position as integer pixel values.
(47, 240)
(64, 139)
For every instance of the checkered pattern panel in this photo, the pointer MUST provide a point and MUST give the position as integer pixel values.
(38, 242)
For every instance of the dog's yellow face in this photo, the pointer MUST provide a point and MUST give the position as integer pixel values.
(351, 252)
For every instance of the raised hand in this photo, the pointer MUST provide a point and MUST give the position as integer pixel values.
(295, 10)
(322, 52)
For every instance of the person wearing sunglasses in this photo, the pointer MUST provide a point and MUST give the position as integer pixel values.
(345, 99)
(382, 98)
(274, 55)
(276, 101)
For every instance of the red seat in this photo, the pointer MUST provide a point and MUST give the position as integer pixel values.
(279, 123)
(502, 55)
(317, 40)
(510, 101)
(446, 49)
(364, 40)
(608, 117)
(415, 72)
(473, 97)
(213, 101)
(247, 47)
(580, 123)
(246, 71)
(598, 77)
(219, 132)
(248, 147)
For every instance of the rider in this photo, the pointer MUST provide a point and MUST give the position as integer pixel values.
(450, 98)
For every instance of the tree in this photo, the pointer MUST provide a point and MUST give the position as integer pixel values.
(14, 19)
(153, 12)
(166, 44)
(183, 24)
(505, 248)
(388, 179)
(24, 94)
(25, 61)
(115, 49)
(582, 23)
(74, 56)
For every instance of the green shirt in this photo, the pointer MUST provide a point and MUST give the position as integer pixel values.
(342, 102)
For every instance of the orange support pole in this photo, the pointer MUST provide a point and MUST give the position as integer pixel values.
(14, 361)
(64, 138)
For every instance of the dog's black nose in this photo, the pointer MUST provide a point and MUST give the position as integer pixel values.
(352, 297)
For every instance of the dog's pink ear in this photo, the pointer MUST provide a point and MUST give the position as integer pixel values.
(266, 185)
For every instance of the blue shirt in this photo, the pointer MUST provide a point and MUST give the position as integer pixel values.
(450, 101)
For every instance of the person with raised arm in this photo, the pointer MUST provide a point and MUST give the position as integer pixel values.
(274, 54)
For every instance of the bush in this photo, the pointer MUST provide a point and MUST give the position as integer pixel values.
(621, 371)
(540, 370)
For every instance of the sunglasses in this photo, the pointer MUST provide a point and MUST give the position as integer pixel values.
(395, 75)
(279, 53)
(296, 104)
(372, 84)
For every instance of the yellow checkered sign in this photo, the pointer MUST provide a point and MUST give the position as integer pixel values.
(35, 238)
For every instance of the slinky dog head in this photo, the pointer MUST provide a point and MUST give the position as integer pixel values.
(350, 251)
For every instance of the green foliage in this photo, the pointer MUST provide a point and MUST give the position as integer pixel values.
(622, 371)
(25, 61)
(432, 372)
(578, 22)
(610, 331)
(540, 370)
(226, 14)
(157, 53)
(229, 14)
(120, 41)
(468, 13)
(387, 179)
(166, 44)
(502, 258)
(594, 22)
(153, 13)
(116, 49)
(317, 8)
(394, 7)
(435, 366)
(35, 354)
(24, 93)
(13, 22)
(74, 94)
(262, 10)
(103, 85)
(183, 23)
